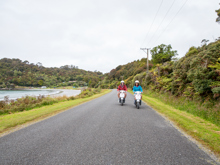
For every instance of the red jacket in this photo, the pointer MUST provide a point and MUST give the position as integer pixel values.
(122, 88)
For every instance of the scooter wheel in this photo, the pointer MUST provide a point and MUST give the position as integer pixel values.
(138, 106)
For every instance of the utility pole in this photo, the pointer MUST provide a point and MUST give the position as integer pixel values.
(144, 49)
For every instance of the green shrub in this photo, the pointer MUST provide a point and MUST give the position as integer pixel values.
(202, 86)
(216, 90)
(192, 51)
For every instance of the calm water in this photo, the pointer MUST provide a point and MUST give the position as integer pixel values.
(21, 93)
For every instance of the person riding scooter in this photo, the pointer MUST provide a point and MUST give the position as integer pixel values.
(122, 86)
(137, 88)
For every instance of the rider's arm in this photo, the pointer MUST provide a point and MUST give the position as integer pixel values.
(126, 89)
(141, 89)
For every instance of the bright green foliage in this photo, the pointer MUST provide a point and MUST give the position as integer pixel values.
(192, 51)
(40, 83)
(21, 73)
(216, 65)
(216, 90)
(162, 54)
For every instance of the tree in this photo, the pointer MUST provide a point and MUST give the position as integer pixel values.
(218, 13)
(26, 62)
(40, 82)
(162, 53)
(204, 42)
(90, 82)
(39, 64)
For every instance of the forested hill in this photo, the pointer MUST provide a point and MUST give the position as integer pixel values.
(196, 75)
(125, 72)
(23, 73)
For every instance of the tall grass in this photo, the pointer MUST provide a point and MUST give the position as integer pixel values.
(26, 103)
(206, 110)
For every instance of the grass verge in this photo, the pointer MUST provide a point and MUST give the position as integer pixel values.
(10, 121)
(208, 110)
(207, 133)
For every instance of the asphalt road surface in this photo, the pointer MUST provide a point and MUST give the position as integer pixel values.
(102, 132)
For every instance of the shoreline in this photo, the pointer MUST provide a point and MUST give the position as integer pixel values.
(56, 93)
(15, 89)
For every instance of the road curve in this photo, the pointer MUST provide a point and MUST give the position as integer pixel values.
(102, 132)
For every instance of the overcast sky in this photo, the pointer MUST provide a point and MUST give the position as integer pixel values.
(101, 34)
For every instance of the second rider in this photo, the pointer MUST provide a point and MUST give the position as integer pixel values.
(122, 86)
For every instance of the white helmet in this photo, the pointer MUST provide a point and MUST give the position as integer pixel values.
(137, 81)
(122, 81)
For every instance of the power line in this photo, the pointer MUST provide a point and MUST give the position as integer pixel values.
(171, 21)
(162, 21)
(153, 22)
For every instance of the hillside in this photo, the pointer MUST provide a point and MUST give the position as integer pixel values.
(196, 75)
(22, 73)
(125, 72)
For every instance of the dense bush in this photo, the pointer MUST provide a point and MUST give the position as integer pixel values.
(195, 75)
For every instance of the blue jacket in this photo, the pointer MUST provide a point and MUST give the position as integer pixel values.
(135, 89)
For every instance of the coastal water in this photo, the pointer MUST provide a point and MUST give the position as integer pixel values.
(14, 94)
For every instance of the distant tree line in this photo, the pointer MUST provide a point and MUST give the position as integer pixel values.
(22, 73)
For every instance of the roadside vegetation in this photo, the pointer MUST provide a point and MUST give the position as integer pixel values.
(27, 103)
(9, 121)
(209, 112)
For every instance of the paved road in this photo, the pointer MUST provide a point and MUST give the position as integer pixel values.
(101, 132)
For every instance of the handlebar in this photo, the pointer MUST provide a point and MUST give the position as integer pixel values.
(122, 91)
(137, 92)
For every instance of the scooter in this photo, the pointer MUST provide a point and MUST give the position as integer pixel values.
(122, 97)
(137, 99)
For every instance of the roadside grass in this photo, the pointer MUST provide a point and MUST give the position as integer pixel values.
(207, 133)
(8, 121)
(207, 109)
